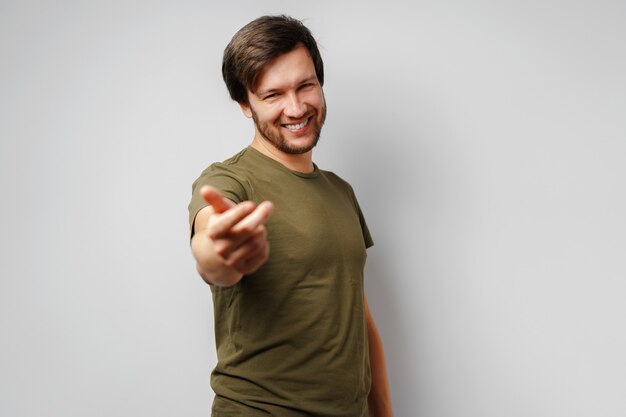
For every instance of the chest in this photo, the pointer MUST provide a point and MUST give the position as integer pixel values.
(315, 226)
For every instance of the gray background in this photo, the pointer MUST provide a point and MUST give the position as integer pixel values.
(486, 141)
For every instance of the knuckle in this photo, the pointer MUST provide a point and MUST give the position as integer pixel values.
(246, 229)
(214, 231)
(253, 246)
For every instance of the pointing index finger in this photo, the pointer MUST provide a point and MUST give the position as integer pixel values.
(212, 196)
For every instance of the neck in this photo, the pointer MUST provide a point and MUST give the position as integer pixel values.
(295, 162)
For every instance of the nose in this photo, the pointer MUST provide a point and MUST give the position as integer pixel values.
(294, 107)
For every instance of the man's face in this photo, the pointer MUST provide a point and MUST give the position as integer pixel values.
(288, 106)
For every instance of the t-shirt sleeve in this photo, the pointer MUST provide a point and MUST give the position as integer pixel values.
(369, 242)
(367, 237)
(231, 185)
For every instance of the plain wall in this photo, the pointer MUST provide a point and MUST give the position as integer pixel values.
(486, 142)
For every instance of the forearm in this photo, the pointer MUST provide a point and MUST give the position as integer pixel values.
(380, 398)
(210, 265)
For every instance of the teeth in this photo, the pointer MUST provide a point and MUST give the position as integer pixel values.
(298, 126)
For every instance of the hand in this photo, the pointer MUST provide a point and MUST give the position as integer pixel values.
(238, 230)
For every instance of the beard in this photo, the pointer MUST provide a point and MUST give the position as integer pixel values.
(272, 133)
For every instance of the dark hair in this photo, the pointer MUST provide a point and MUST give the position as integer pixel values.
(257, 43)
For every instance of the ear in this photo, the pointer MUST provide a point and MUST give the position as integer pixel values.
(245, 108)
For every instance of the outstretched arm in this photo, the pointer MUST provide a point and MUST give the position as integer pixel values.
(230, 240)
(379, 398)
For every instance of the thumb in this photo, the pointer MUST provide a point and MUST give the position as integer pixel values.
(212, 196)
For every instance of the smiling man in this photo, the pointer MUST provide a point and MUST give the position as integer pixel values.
(282, 245)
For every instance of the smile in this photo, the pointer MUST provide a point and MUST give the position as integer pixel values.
(297, 126)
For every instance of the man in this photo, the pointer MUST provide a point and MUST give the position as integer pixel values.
(283, 246)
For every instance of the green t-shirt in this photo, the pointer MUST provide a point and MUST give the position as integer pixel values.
(291, 337)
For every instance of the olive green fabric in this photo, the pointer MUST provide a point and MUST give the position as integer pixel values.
(291, 338)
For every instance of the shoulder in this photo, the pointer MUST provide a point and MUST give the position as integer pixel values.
(231, 176)
(337, 180)
(234, 167)
(233, 164)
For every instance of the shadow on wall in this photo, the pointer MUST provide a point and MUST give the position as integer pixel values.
(383, 182)
(402, 161)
